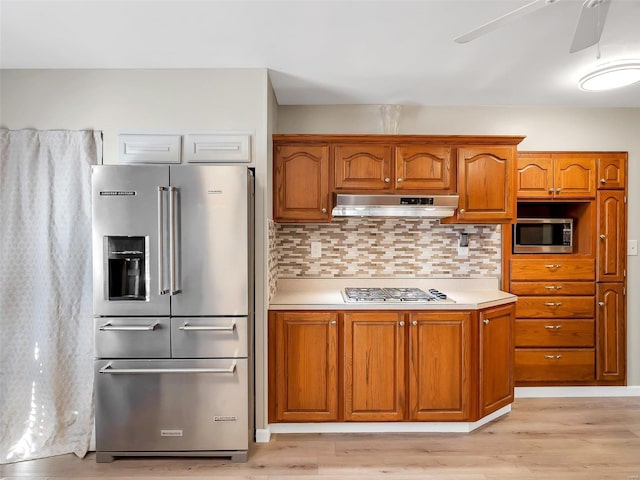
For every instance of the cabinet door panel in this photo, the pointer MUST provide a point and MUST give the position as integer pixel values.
(535, 176)
(485, 183)
(612, 337)
(362, 167)
(423, 167)
(496, 358)
(301, 183)
(306, 368)
(574, 177)
(374, 366)
(612, 172)
(612, 236)
(440, 367)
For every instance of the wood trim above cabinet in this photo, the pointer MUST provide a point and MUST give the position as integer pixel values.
(451, 140)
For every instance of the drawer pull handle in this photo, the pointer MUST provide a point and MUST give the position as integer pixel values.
(553, 304)
(553, 265)
(553, 327)
(142, 371)
(193, 328)
(553, 357)
(131, 328)
(553, 287)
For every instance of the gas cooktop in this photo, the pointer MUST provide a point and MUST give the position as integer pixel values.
(406, 294)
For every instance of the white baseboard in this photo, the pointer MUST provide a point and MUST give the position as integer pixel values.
(382, 427)
(263, 435)
(560, 392)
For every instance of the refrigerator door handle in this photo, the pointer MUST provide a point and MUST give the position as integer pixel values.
(142, 371)
(161, 280)
(229, 328)
(174, 288)
(109, 327)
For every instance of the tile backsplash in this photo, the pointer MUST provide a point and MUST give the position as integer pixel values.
(383, 247)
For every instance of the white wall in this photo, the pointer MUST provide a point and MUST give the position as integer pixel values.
(614, 129)
(155, 100)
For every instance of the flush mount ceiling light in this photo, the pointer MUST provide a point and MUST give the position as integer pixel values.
(611, 75)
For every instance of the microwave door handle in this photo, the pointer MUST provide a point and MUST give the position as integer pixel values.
(173, 240)
(161, 279)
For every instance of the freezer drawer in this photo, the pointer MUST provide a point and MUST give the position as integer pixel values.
(171, 405)
(218, 337)
(131, 337)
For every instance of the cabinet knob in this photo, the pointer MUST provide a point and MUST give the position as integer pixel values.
(551, 190)
(462, 210)
(414, 323)
(486, 321)
(601, 304)
(603, 236)
(333, 322)
(602, 180)
(401, 323)
(387, 180)
(553, 357)
(324, 210)
(558, 189)
(400, 180)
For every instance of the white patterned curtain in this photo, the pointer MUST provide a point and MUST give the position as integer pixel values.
(46, 348)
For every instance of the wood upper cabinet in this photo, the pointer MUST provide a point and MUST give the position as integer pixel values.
(301, 183)
(424, 167)
(496, 358)
(362, 167)
(485, 184)
(555, 176)
(440, 375)
(374, 358)
(612, 337)
(304, 366)
(612, 171)
(612, 236)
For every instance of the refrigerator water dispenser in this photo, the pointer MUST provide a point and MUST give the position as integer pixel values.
(127, 275)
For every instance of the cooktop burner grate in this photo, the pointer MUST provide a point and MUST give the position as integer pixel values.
(402, 294)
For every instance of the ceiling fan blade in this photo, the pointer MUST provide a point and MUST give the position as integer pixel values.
(500, 21)
(590, 24)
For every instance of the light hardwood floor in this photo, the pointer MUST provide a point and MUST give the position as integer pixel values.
(579, 438)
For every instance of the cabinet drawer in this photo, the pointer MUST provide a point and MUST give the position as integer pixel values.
(555, 307)
(553, 288)
(553, 269)
(560, 365)
(555, 333)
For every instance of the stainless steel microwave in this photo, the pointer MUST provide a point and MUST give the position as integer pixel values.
(543, 235)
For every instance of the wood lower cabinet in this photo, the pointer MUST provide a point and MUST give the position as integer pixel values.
(374, 381)
(496, 358)
(440, 370)
(387, 365)
(303, 373)
(612, 337)
(301, 183)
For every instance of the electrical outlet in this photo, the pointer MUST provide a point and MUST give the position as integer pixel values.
(316, 249)
(632, 247)
(463, 252)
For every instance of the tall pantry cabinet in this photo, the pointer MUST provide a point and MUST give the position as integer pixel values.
(571, 310)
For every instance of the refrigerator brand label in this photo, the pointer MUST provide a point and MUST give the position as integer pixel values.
(214, 192)
(225, 418)
(117, 193)
(170, 433)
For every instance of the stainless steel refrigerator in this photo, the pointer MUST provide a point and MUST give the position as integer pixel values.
(173, 310)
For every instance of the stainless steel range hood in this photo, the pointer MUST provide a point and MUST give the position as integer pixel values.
(429, 206)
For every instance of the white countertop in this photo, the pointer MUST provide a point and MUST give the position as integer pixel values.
(325, 293)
